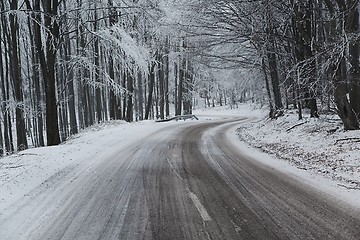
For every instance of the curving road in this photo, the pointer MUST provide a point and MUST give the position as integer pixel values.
(187, 182)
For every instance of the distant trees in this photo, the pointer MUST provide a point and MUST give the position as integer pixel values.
(307, 50)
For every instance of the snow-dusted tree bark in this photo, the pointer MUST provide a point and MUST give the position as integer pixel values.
(166, 70)
(5, 90)
(304, 35)
(339, 28)
(129, 116)
(69, 81)
(46, 45)
(149, 102)
(161, 80)
(352, 29)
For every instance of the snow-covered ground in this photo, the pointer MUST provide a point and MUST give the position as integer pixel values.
(319, 145)
(310, 151)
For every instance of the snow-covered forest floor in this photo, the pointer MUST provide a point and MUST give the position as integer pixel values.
(320, 146)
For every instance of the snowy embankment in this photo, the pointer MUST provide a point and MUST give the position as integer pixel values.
(316, 145)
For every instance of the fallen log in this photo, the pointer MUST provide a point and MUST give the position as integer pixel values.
(178, 117)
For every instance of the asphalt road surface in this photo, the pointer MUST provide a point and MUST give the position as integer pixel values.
(185, 182)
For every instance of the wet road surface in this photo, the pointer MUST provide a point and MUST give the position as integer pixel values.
(187, 182)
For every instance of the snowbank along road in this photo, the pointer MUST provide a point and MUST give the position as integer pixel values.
(183, 182)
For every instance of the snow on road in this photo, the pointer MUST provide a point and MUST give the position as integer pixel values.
(25, 171)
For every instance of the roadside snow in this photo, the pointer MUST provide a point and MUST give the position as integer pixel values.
(316, 145)
(318, 148)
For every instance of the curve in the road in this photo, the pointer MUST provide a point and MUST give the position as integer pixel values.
(192, 183)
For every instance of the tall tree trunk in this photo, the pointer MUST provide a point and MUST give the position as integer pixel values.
(187, 88)
(130, 91)
(3, 84)
(353, 31)
(344, 108)
(70, 79)
(274, 76)
(140, 97)
(180, 90)
(47, 56)
(112, 91)
(339, 70)
(304, 33)
(98, 100)
(17, 81)
(167, 102)
(149, 101)
(176, 76)
(275, 82)
(268, 90)
(124, 97)
(36, 79)
(2, 98)
(161, 77)
(9, 146)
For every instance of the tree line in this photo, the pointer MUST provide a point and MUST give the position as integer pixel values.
(307, 51)
(66, 65)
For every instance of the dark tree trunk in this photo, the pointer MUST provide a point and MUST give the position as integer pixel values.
(17, 81)
(166, 72)
(124, 97)
(161, 77)
(98, 100)
(274, 76)
(130, 91)
(38, 98)
(47, 62)
(339, 70)
(180, 89)
(353, 29)
(151, 90)
(112, 91)
(187, 88)
(5, 92)
(2, 99)
(176, 76)
(268, 90)
(140, 97)
(275, 82)
(70, 82)
(344, 108)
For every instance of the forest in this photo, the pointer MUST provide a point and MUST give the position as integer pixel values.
(66, 65)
